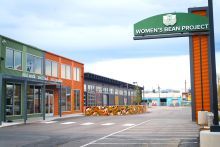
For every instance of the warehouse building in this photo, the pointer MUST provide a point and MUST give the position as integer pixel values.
(103, 91)
(37, 83)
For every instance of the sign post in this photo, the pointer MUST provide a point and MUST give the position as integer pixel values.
(216, 127)
(195, 26)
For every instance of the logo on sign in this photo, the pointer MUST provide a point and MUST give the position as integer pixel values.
(169, 20)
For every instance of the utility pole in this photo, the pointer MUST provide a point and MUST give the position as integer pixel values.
(214, 99)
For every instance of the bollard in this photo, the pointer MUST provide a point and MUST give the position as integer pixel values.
(210, 117)
(202, 117)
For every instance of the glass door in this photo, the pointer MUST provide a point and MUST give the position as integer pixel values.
(76, 100)
(49, 102)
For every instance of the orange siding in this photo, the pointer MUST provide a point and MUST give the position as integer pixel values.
(67, 83)
(197, 71)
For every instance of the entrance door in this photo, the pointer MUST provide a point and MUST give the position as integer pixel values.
(49, 102)
(163, 102)
(105, 100)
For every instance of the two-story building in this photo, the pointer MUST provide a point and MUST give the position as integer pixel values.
(34, 82)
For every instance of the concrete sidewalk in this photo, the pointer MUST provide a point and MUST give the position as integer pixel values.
(40, 119)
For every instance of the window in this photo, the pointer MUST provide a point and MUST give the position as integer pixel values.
(111, 91)
(105, 90)
(125, 92)
(37, 99)
(99, 89)
(54, 69)
(48, 67)
(13, 59)
(77, 99)
(129, 93)
(66, 99)
(51, 68)
(17, 60)
(38, 65)
(65, 71)
(34, 64)
(13, 99)
(33, 99)
(85, 87)
(120, 92)
(68, 72)
(77, 74)
(116, 92)
(91, 88)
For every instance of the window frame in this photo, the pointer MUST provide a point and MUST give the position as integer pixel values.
(13, 101)
(33, 99)
(75, 100)
(51, 67)
(77, 74)
(66, 95)
(34, 72)
(65, 70)
(13, 66)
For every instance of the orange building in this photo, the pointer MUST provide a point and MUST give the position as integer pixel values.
(69, 73)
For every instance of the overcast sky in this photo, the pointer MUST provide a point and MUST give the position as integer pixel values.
(99, 34)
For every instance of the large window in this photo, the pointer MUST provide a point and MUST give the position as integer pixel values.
(77, 74)
(77, 99)
(51, 68)
(33, 99)
(13, 59)
(65, 71)
(116, 92)
(13, 99)
(99, 89)
(34, 64)
(66, 99)
(85, 88)
(91, 97)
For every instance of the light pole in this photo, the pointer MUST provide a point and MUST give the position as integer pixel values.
(214, 100)
(159, 90)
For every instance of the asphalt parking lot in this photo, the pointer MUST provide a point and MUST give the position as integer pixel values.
(161, 127)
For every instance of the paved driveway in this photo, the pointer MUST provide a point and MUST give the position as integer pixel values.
(161, 127)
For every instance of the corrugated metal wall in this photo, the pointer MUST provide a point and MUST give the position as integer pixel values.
(201, 84)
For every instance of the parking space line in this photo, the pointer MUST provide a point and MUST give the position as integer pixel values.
(128, 125)
(92, 142)
(87, 124)
(49, 122)
(68, 123)
(107, 124)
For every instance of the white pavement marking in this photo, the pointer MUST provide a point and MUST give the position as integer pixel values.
(125, 143)
(68, 123)
(128, 125)
(107, 124)
(152, 139)
(92, 142)
(87, 124)
(49, 122)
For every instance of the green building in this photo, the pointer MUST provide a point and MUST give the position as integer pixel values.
(22, 80)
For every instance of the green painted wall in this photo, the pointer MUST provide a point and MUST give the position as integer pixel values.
(20, 47)
(24, 49)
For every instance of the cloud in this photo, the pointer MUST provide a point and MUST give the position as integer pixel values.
(80, 27)
(168, 72)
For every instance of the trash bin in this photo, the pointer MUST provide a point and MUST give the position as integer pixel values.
(210, 117)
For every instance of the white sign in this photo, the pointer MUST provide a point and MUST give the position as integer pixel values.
(169, 20)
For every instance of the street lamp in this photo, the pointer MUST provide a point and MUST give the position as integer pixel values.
(214, 99)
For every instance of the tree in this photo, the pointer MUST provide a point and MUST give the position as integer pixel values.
(138, 95)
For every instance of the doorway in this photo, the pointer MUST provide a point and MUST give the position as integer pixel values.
(163, 102)
(49, 102)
